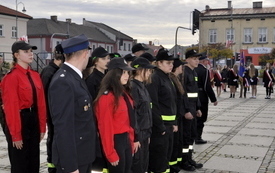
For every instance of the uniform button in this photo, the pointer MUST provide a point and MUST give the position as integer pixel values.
(63, 168)
(80, 138)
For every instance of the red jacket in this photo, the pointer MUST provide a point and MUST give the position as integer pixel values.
(111, 123)
(17, 95)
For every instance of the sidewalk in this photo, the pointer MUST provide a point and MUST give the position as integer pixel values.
(240, 134)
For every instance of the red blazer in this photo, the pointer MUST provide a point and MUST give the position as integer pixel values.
(112, 122)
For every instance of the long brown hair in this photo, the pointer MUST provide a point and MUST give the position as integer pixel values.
(111, 83)
(177, 82)
(252, 70)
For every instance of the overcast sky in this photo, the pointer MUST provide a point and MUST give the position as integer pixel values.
(144, 20)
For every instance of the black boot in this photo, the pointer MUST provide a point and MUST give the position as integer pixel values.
(185, 165)
(193, 162)
(230, 96)
(233, 95)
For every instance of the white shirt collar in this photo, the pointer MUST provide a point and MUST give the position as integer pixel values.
(75, 69)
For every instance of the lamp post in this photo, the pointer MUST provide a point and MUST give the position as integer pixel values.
(23, 10)
(176, 40)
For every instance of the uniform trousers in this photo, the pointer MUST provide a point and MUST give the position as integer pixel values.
(160, 150)
(124, 150)
(81, 169)
(141, 157)
(51, 167)
(189, 127)
(201, 120)
(26, 160)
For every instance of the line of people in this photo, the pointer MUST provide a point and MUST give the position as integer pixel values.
(104, 114)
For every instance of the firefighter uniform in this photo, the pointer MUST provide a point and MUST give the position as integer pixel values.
(205, 93)
(163, 95)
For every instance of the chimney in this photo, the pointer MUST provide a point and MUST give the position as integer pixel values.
(229, 4)
(150, 43)
(207, 8)
(54, 18)
(69, 21)
(258, 4)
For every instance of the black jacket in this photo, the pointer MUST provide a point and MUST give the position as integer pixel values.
(205, 88)
(163, 95)
(74, 125)
(190, 86)
(93, 82)
(142, 103)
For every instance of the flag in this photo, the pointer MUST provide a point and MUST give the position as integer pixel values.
(241, 67)
(24, 38)
(228, 43)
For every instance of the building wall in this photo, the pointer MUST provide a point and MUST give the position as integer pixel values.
(238, 26)
(7, 40)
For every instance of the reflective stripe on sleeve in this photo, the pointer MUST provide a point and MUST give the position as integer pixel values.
(168, 117)
(190, 147)
(50, 165)
(192, 95)
(185, 150)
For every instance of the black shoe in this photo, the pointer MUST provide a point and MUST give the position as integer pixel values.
(200, 141)
(195, 164)
(187, 167)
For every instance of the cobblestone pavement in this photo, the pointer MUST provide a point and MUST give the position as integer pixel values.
(240, 134)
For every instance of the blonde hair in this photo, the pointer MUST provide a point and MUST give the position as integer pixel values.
(252, 70)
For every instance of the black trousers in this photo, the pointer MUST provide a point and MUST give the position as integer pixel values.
(81, 169)
(49, 144)
(26, 160)
(160, 150)
(201, 120)
(124, 150)
(141, 158)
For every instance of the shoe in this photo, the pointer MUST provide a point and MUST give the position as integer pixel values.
(187, 167)
(266, 97)
(200, 141)
(195, 164)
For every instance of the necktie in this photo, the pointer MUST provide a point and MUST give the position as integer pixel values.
(34, 94)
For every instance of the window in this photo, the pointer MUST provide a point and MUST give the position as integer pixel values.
(13, 32)
(212, 36)
(129, 47)
(230, 34)
(1, 30)
(262, 35)
(247, 35)
(124, 46)
(111, 49)
(93, 47)
(273, 34)
(107, 48)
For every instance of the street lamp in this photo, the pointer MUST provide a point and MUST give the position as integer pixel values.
(176, 40)
(23, 10)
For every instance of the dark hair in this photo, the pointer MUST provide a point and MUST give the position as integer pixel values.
(111, 83)
(177, 82)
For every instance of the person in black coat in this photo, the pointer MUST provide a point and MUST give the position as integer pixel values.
(268, 80)
(46, 76)
(99, 60)
(70, 104)
(233, 78)
(142, 103)
(224, 74)
(205, 93)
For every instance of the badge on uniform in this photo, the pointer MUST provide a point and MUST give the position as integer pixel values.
(86, 107)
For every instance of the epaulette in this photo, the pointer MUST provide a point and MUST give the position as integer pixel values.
(63, 74)
(106, 92)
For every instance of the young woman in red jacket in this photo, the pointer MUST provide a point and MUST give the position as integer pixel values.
(25, 111)
(115, 116)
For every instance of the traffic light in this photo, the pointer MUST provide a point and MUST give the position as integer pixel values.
(195, 21)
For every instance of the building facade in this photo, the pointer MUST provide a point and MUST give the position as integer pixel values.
(247, 31)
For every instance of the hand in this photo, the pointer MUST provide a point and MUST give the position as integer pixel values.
(115, 163)
(199, 114)
(149, 140)
(163, 133)
(18, 144)
(136, 146)
(175, 128)
(188, 116)
(42, 136)
(77, 171)
(215, 103)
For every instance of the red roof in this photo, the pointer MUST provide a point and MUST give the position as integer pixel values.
(10, 12)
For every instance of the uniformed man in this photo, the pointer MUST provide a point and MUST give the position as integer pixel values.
(46, 76)
(138, 49)
(191, 109)
(205, 93)
(71, 109)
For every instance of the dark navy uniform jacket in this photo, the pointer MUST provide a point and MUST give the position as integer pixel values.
(142, 103)
(205, 88)
(163, 95)
(74, 125)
